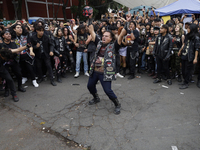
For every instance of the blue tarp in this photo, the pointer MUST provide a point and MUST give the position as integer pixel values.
(180, 7)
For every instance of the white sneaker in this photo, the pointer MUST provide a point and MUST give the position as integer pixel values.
(76, 75)
(24, 80)
(119, 75)
(87, 74)
(35, 84)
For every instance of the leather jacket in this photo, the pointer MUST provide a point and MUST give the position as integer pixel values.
(57, 45)
(163, 50)
(194, 45)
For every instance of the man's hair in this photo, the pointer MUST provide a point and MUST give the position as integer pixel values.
(157, 20)
(6, 53)
(39, 28)
(111, 35)
(4, 31)
(165, 27)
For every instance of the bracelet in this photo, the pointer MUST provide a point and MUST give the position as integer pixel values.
(28, 46)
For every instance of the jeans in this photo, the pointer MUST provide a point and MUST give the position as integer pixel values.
(78, 61)
(143, 61)
(105, 84)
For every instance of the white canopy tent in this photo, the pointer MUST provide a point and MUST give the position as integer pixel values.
(154, 3)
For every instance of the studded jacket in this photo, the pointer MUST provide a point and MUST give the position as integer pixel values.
(163, 49)
(109, 61)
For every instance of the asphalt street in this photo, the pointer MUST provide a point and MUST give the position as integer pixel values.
(153, 116)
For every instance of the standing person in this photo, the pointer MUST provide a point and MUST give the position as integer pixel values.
(62, 47)
(178, 39)
(80, 43)
(42, 48)
(132, 49)
(13, 63)
(5, 56)
(162, 51)
(189, 54)
(103, 67)
(26, 59)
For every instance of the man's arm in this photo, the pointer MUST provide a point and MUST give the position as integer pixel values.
(92, 33)
(20, 49)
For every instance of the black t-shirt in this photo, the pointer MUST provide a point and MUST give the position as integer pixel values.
(41, 45)
(134, 45)
(11, 45)
(81, 40)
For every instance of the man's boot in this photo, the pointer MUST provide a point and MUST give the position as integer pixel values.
(117, 106)
(52, 82)
(95, 100)
(152, 74)
(58, 78)
(179, 78)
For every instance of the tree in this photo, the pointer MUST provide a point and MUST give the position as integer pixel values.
(57, 10)
(64, 9)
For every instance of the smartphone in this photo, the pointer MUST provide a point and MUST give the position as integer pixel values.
(77, 17)
(188, 15)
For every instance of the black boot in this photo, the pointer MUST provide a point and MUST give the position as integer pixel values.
(59, 79)
(179, 78)
(198, 84)
(6, 94)
(21, 89)
(95, 100)
(53, 83)
(64, 75)
(117, 106)
(157, 80)
(124, 71)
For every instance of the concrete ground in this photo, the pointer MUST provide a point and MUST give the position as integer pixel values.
(153, 116)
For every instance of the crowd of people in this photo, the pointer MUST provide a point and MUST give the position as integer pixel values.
(143, 44)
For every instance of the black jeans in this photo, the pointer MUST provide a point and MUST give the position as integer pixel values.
(9, 81)
(38, 64)
(26, 64)
(105, 84)
(162, 65)
(187, 68)
(131, 59)
(15, 68)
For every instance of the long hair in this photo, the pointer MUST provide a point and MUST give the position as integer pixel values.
(111, 35)
(55, 34)
(6, 53)
(193, 32)
(181, 31)
(68, 32)
(13, 33)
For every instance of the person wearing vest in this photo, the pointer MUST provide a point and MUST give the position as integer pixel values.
(80, 43)
(103, 66)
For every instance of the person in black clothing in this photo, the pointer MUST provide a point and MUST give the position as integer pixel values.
(162, 51)
(42, 47)
(132, 49)
(189, 54)
(13, 63)
(62, 47)
(6, 54)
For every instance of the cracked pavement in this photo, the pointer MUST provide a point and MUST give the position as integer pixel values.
(152, 117)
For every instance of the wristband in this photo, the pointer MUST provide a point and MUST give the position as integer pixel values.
(28, 46)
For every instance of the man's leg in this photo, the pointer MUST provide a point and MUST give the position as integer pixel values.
(109, 92)
(93, 79)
